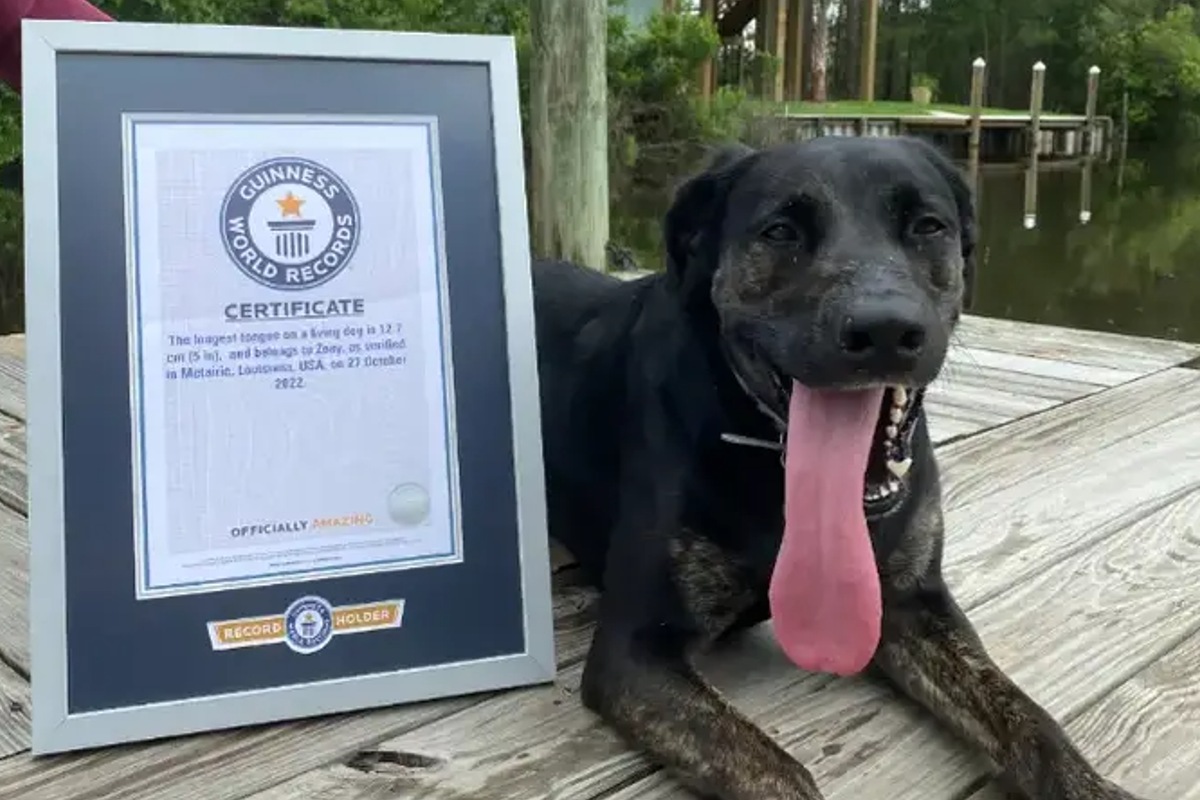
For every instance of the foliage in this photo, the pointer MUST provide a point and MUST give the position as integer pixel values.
(11, 221)
(1157, 60)
(655, 118)
(923, 80)
(659, 128)
(1148, 48)
(657, 121)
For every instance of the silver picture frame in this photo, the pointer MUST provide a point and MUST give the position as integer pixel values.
(57, 726)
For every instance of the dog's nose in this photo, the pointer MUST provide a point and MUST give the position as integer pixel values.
(883, 334)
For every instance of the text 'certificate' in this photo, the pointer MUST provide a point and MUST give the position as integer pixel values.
(292, 399)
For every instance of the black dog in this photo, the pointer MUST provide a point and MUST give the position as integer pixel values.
(810, 295)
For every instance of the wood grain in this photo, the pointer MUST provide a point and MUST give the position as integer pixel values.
(563, 748)
(14, 590)
(1061, 583)
(14, 712)
(1103, 613)
(234, 764)
(1098, 348)
(12, 376)
(999, 404)
(538, 743)
(1020, 497)
(14, 482)
(962, 371)
(943, 428)
(1096, 374)
(1000, 371)
(1144, 733)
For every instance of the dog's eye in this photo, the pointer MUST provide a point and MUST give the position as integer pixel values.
(928, 226)
(781, 232)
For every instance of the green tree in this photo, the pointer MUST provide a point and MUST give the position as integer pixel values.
(656, 123)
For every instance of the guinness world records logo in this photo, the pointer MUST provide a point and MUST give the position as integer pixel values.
(308, 624)
(290, 223)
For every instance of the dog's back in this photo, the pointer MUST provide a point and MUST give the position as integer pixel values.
(585, 324)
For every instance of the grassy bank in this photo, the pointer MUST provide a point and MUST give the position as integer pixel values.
(888, 108)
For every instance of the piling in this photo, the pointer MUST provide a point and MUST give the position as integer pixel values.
(1124, 141)
(1036, 89)
(1085, 190)
(1093, 85)
(870, 34)
(978, 75)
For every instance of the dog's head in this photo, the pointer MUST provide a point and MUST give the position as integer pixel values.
(837, 270)
(839, 262)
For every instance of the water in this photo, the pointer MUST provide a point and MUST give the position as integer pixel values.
(1134, 268)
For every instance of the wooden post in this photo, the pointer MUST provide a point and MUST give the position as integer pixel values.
(1089, 154)
(793, 50)
(779, 48)
(1124, 141)
(978, 77)
(1093, 85)
(707, 79)
(568, 114)
(1124, 121)
(866, 75)
(759, 77)
(1085, 191)
(1035, 134)
(819, 50)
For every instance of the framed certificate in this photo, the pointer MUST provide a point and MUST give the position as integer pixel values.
(285, 455)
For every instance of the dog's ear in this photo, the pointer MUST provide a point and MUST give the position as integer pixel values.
(964, 200)
(692, 225)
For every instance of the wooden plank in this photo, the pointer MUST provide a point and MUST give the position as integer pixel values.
(1097, 348)
(1077, 617)
(1009, 491)
(14, 589)
(859, 740)
(234, 764)
(14, 345)
(1089, 587)
(14, 483)
(943, 428)
(14, 712)
(1143, 734)
(202, 766)
(997, 404)
(964, 419)
(967, 398)
(965, 373)
(12, 376)
(1044, 367)
(537, 743)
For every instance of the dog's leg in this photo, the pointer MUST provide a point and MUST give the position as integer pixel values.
(641, 684)
(665, 598)
(933, 654)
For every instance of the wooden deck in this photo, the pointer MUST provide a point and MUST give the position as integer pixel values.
(1072, 480)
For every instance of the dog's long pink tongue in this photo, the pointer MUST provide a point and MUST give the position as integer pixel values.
(825, 597)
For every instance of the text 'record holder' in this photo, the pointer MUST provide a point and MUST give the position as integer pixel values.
(284, 444)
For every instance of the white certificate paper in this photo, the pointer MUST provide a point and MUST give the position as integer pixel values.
(291, 395)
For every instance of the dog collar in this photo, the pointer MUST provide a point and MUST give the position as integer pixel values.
(749, 441)
(903, 444)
